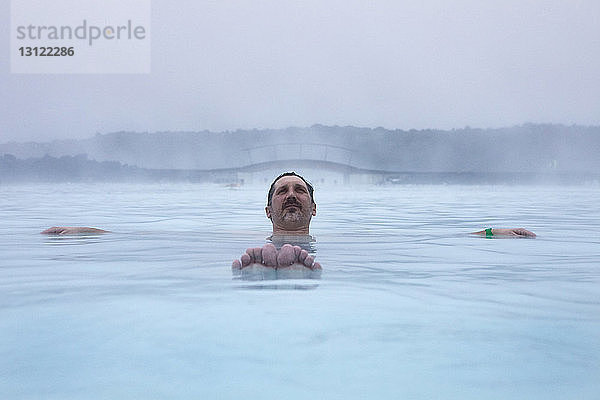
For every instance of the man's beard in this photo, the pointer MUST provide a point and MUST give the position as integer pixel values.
(292, 212)
(293, 216)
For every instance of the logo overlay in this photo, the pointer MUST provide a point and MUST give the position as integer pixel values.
(80, 36)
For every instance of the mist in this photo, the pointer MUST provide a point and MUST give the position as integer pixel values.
(222, 66)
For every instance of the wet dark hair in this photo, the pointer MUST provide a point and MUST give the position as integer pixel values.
(272, 188)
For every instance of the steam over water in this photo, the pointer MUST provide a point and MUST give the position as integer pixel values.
(408, 305)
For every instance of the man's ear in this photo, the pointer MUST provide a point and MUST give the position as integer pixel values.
(268, 211)
(314, 209)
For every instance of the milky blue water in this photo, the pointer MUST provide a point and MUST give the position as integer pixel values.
(408, 304)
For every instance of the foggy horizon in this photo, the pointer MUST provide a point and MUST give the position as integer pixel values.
(91, 135)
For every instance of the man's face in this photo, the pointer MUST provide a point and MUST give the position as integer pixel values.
(291, 206)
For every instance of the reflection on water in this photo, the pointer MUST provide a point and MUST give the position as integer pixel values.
(71, 239)
(279, 286)
(306, 242)
(258, 272)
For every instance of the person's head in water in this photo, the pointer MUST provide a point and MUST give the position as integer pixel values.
(290, 204)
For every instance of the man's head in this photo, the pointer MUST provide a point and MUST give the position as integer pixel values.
(290, 204)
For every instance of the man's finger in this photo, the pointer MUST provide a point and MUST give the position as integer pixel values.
(308, 261)
(257, 251)
(255, 254)
(302, 256)
(524, 232)
(246, 260)
(55, 230)
(269, 255)
(286, 256)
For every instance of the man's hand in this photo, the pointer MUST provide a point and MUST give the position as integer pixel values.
(269, 257)
(520, 232)
(71, 230)
(512, 232)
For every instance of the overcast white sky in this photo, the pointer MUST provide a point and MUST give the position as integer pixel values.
(224, 65)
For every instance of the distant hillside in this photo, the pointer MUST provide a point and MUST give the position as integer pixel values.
(80, 169)
(526, 148)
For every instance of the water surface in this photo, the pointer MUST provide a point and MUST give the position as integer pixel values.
(408, 304)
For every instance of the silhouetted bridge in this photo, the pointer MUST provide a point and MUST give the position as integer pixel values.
(298, 152)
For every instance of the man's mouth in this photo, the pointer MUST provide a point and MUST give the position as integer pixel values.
(292, 206)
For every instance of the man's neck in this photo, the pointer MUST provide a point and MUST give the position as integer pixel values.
(287, 231)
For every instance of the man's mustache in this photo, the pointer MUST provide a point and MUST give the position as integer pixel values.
(291, 202)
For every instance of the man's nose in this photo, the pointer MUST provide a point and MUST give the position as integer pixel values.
(291, 196)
